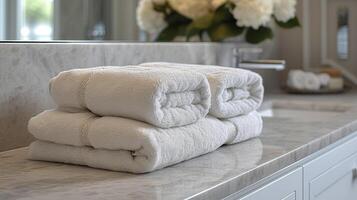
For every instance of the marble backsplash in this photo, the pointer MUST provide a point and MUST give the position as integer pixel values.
(25, 69)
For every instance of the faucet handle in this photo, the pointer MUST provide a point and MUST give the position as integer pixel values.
(354, 173)
(236, 57)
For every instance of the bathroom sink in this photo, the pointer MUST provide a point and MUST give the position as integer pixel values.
(301, 109)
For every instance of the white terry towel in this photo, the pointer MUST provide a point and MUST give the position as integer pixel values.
(162, 97)
(296, 79)
(246, 127)
(312, 81)
(122, 144)
(324, 79)
(234, 91)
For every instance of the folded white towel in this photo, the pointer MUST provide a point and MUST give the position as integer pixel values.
(131, 145)
(312, 82)
(115, 160)
(324, 79)
(162, 97)
(234, 91)
(296, 79)
(246, 127)
(301, 80)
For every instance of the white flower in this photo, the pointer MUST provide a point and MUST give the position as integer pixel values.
(284, 9)
(194, 9)
(253, 13)
(148, 19)
(217, 3)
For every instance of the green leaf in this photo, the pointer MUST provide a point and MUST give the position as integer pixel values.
(160, 7)
(203, 22)
(177, 25)
(225, 30)
(177, 18)
(230, 5)
(191, 31)
(291, 23)
(223, 14)
(198, 26)
(224, 24)
(171, 32)
(254, 36)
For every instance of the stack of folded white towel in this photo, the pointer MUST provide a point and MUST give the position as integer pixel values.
(302, 80)
(146, 117)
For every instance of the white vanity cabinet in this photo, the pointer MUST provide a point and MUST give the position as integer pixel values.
(288, 187)
(339, 182)
(333, 175)
(330, 174)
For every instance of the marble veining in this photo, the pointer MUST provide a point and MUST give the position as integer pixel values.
(212, 176)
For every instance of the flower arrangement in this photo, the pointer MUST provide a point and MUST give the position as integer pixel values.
(219, 19)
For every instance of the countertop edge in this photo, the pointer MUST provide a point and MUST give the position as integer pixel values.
(265, 170)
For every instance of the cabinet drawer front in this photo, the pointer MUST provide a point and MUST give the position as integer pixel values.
(330, 159)
(288, 187)
(326, 164)
(339, 182)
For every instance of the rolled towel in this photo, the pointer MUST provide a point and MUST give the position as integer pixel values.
(162, 97)
(128, 145)
(246, 127)
(324, 79)
(296, 79)
(234, 91)
(312, 82)
(124, 161)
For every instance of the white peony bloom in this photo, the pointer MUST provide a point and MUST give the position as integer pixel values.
(194, 9)
(217, 3)
(284, 9)
(148, 19)
(252, 13)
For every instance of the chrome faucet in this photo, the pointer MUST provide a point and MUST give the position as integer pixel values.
(249, 58)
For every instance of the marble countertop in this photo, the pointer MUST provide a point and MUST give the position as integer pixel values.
(284, 141)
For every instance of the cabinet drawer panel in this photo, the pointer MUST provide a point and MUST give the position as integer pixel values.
(339, 182)
(288, 187)
(330, 159)
(329, 163)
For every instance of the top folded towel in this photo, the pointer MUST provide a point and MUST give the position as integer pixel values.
(233, 91)
(162, 97)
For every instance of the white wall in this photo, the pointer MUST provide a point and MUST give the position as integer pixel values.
(331, 45)
(73, 19)
(291, 42)
(124, 26)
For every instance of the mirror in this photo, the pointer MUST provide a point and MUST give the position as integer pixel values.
(69, 20)
(162, 20)
(342, 33)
